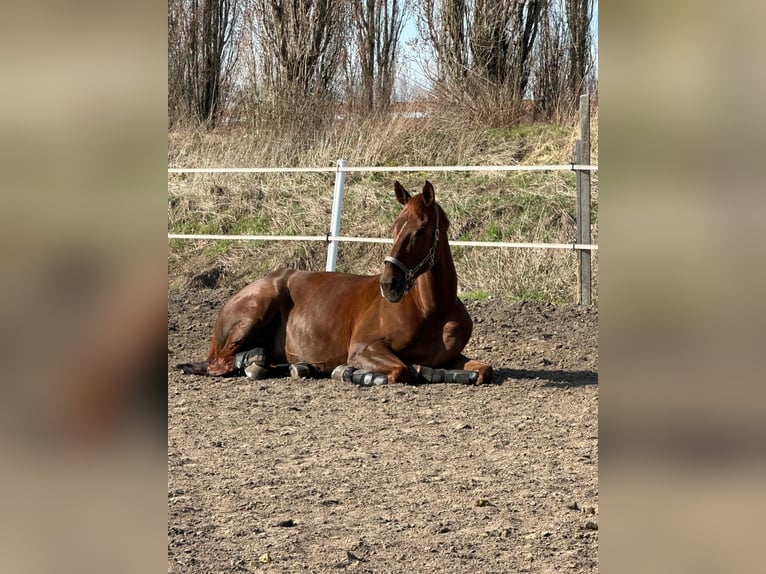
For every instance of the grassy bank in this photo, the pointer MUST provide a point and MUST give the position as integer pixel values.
(536, 207)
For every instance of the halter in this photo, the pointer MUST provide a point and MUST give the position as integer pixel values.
(409, 274)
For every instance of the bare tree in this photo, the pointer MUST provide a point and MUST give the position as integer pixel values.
(563, 58)
(201, 56)
(490, 39)
(525, 17)
(300, 44)
(496, 54)
(446, 29)
(176, 96)
(483, 48)
(550, 84)
(579, 14)
(490, 55)
(377, 28)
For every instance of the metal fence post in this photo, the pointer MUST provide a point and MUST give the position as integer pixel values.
(337, 210)
(582, 156)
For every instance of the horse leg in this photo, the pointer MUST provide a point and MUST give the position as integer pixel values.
(376, 361)
(455, 333)
(459, 376)
(463, 363)
(224, 356)
(229, 357)
(244, 327)
(360, 377)
(252, 362)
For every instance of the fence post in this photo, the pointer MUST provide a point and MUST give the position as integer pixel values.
(582, 156)
(337, 210)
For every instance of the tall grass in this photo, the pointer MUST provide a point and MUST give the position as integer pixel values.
(488, 206)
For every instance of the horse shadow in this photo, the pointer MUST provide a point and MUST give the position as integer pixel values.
(552, 378)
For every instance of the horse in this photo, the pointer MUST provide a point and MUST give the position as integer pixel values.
(403, 325)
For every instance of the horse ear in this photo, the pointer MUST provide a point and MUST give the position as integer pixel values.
(428, 193)
(402, 195)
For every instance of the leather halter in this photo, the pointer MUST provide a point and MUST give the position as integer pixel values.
(409, 274)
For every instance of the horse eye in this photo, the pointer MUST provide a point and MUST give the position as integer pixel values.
(420, 232)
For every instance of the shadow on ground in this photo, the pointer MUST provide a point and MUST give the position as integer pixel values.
(554, 378)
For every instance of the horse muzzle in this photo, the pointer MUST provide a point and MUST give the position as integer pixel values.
(393, 289)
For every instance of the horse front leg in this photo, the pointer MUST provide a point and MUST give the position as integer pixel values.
(463, 363)
(373, 364)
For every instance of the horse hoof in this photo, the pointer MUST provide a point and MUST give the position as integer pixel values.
(485, 376)
(342, 373)
(256, 372)
(300, 370)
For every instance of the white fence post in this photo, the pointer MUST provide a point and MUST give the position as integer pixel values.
(337, 210)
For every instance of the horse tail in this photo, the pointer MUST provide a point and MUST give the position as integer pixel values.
(198, 368)
(203, 367)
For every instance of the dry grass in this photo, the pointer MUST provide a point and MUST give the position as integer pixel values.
(537, 207)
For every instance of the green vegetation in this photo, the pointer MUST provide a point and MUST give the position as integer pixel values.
(482, 206)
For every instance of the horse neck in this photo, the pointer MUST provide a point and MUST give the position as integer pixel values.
(437, 288)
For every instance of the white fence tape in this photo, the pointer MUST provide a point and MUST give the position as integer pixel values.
(347, 169)
(332, 239)
(329, 238)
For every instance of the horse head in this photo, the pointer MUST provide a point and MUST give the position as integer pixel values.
(416, 237)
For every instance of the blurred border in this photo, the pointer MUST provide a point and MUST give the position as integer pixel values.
(682, 281)
(681, 268)
(83, 411)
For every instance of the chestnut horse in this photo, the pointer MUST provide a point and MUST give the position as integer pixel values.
(404, 324)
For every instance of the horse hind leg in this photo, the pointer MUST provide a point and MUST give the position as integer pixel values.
(228, 359)
(245, 333)
(219, 362)
(252, 362)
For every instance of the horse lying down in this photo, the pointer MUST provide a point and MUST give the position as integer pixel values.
(402, 326)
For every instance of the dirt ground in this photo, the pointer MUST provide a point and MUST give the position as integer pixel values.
(289, 475)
